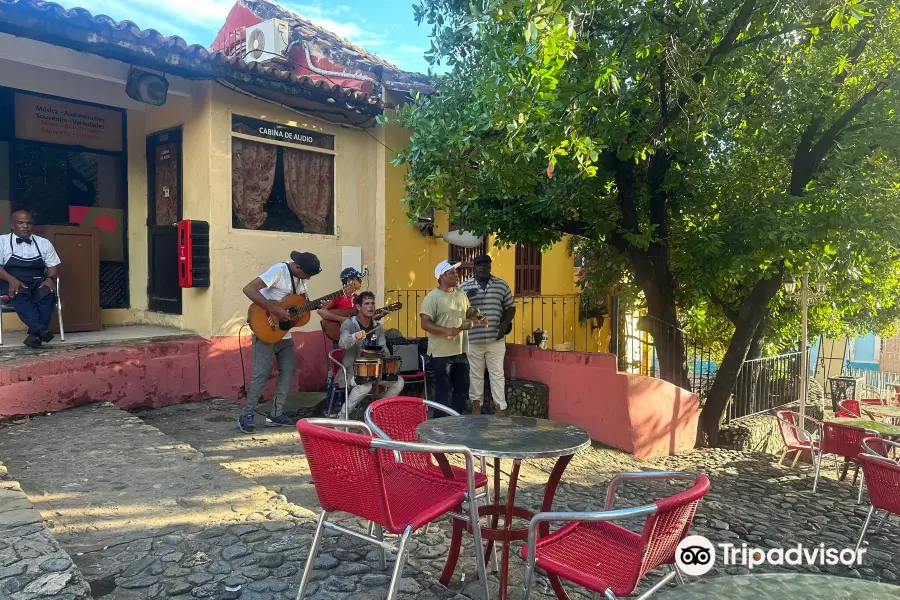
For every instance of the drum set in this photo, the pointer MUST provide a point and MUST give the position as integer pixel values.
(372, 365)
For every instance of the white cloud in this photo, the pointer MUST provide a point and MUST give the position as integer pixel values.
(410, 49)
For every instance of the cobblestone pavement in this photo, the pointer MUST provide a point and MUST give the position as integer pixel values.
(261, 542)
(32, 565)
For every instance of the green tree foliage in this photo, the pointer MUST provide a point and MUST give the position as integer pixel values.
(701, 151)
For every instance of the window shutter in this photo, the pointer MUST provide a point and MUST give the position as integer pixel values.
(466, 256)
(528, 271)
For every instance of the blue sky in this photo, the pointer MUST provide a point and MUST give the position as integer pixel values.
(384, 27)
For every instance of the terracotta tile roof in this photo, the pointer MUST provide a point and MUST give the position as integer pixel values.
(338, 50)
(78, 29)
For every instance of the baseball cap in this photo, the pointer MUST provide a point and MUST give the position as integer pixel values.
(482, 258)
(443, 267)
(307, 261)
(350, 273)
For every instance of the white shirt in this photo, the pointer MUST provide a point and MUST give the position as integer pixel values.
(278, 283)
(47, 251)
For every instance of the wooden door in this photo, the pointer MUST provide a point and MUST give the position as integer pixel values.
(79, 276)
(164, 173)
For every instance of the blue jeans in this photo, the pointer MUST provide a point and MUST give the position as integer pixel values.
(458, 378)
(264, 358)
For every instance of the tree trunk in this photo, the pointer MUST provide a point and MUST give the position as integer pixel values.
(668, 340)
(750, 316)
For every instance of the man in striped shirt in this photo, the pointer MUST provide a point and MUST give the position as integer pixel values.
(487, 346)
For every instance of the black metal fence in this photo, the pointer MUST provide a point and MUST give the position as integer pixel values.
(764, 384)
(557, 316)
(651, 348)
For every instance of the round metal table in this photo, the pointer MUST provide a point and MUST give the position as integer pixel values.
(516, 439)
(882, 411)
(772, 586)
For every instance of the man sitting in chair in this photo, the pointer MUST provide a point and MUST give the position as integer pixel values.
(357, 332)
(28, 276)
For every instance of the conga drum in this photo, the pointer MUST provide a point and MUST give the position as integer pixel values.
(367, 370)
(390, 368)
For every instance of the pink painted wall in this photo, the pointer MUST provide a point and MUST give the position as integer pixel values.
(644, 416)
(147, 374)
(221, 372)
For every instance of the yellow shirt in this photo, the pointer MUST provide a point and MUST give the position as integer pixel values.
(447, 309)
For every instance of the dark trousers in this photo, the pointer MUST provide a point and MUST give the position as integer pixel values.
(34, 307)
(458, 378)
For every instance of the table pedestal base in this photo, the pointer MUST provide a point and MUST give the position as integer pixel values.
(505, 534)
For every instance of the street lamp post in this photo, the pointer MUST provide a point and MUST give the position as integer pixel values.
(790, 287)
(804, 356)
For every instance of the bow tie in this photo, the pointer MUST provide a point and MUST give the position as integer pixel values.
(23, 241)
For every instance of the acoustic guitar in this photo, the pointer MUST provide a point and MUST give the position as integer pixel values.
(269, 329)
(332, 329)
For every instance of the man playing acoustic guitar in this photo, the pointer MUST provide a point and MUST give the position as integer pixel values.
(275, 284)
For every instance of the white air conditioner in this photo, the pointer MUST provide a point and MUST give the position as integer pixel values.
(267, 41)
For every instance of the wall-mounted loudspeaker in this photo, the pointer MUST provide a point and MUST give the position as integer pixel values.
(146, 87)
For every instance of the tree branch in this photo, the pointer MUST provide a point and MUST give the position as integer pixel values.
(729, 312)
(774, 34)
(726, 44)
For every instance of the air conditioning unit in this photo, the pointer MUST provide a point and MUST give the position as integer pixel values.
(267, 41)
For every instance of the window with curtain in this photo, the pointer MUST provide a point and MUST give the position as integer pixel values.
(528, 271)
(277, 188)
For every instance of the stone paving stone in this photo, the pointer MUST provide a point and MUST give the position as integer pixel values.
(32, 564)
(752, 501)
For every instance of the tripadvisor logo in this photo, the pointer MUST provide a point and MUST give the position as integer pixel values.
(696, 555)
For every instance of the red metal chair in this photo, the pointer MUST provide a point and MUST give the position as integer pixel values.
(842, 441)
(397, 419)
(796, 438)
(606, 558)
(883, 477)
(848, 409)
(357, 474)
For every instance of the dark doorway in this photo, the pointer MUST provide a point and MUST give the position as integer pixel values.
(164, 178)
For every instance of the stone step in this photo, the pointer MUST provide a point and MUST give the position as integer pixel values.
(32, 564)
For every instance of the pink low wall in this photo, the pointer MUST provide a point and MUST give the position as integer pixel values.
(147, 374)
(643, 416)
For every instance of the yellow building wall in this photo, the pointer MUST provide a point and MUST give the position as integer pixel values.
(411, 258)
(238, 256)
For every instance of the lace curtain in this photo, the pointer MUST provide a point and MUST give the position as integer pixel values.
(309, 187)
(252, 178)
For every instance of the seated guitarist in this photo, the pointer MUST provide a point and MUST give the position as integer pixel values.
(344, 302)
(357, 332)
(274, 285)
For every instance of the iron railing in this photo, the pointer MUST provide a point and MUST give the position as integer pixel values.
(648, 339)
(764, 384)
(556, 315)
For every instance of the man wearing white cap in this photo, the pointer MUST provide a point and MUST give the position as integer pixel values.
(443, 312)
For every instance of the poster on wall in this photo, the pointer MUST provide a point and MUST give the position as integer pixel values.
(60, 122)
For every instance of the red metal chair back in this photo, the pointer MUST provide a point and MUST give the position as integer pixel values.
(883, 482)
(665, 529)
(876, 444)
(346, 472)
(848, 409)
(789, 434)
(398, 417)
(842, 440)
